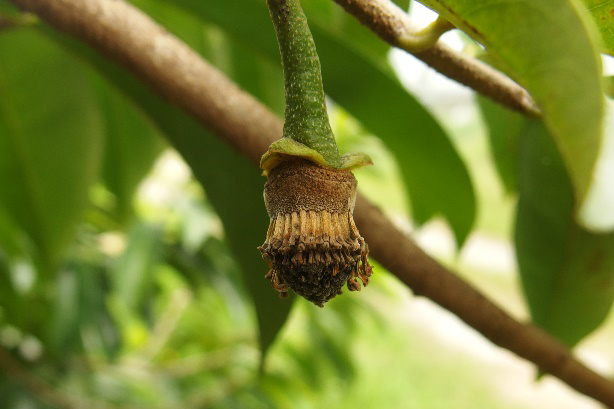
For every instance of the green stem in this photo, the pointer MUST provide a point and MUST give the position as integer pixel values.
(306, 117)
(421, 40)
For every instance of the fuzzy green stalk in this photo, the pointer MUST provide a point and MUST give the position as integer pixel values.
(306, 117)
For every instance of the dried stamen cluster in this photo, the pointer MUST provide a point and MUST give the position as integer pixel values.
(313, 245)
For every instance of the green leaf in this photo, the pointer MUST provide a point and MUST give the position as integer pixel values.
(567, 272)
(232, 184)
(603, 16)
(14, 242)
(551, 48)
(358, 82)
(132, 145)
(131, 274)
(50, 147)
(503, 126)
(258, 75)
(63, 323)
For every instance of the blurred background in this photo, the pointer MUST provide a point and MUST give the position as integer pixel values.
(120, 281)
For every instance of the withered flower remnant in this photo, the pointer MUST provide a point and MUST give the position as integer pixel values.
(312, 245)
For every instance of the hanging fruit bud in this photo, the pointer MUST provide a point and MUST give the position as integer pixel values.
(313, 246)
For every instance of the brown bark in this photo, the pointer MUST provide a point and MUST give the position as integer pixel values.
(127, 35)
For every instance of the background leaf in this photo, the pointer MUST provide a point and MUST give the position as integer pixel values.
(567, 272)
(550, 48)
(132, 145)
(130, 275)
(49, 153)
(504, 128)
(78, 311)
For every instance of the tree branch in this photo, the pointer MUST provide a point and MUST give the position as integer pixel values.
(392, 25)
(176, 72)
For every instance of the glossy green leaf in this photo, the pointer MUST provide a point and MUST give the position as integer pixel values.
(567, 272)
(603, 15)
(551, 48)
(50, 148)
(358, 83)
(131, 146)
(232, 184)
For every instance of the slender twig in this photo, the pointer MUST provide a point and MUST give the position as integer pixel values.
(125, 34)
(392, 24)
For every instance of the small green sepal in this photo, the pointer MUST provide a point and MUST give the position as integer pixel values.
(284, 147)
(355, 160)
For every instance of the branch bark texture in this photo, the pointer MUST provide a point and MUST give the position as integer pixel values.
(392, 25)
(172, 69)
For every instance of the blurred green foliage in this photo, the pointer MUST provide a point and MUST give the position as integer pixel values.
(130, 280)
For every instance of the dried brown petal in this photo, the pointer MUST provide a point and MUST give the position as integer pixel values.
(312, 244)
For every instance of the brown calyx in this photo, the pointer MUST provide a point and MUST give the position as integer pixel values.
(312, 244)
